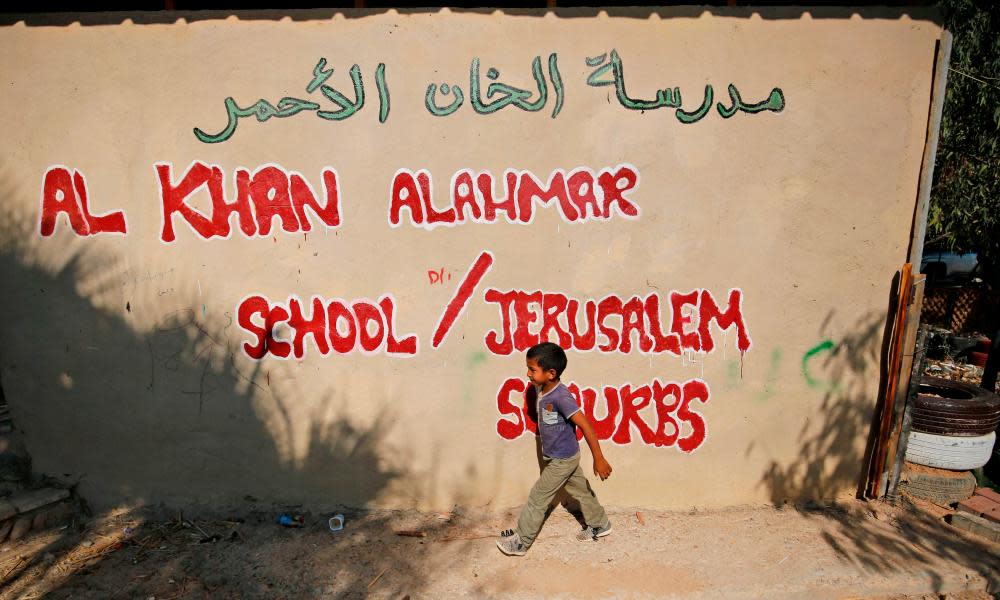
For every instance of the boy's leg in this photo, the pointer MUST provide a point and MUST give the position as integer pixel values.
(553, 477)
(578, 487)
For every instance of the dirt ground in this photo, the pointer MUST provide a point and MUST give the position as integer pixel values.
(846, 550)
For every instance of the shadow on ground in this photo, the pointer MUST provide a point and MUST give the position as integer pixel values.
(217, 435)
(832, 459)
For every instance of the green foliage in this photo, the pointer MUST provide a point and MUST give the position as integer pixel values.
(965, 199)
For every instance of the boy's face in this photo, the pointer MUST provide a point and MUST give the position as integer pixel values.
(538, 376)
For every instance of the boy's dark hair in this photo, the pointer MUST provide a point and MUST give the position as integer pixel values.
(549, 356)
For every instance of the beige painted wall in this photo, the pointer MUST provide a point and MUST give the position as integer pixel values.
(122, 357)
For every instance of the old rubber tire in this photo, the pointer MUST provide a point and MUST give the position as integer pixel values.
(955, 397)
(950, 452)
(938, 485)
(954, 426)
(954, 408)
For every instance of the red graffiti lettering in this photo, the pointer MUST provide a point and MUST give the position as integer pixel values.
(529, 189)
(709, 310)
(63, 192)
(269, 192)
(634, 401)
(344, 327)
(614, 186)
(315, 327)
(439, 276)
(462, 296)
(508, 429)
(494, 343)
(660, 412)
(681, 317)
(614, 324)
(403, 193)
(579, 196)
(463, 191)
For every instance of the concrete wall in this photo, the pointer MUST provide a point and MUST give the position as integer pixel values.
(735, 250)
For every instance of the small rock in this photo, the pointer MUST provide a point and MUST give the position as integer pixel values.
(7, 510)
(29, 501)
(21, 527)
(5, 529)
(214, 580)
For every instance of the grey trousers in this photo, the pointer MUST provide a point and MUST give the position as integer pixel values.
(559, 472)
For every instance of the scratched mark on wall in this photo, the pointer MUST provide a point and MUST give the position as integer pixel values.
(771, 379)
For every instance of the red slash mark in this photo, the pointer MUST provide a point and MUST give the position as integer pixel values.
(462, 295)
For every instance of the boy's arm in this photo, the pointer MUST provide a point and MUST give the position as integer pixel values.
(601, 466)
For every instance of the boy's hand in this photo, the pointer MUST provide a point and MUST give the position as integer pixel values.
(602, 468)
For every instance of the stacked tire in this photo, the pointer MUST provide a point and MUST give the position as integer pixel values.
(953, 429)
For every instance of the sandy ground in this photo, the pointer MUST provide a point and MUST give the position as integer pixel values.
(847, 550)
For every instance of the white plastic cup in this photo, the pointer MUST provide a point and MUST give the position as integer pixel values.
(336, 522)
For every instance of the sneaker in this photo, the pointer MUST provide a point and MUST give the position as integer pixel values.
(590, 534)
(511, 545)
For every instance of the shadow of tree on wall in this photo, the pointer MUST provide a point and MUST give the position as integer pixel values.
(831, 459)
(216, 434)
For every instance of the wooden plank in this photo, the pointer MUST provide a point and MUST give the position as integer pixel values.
(919, 227)
(908, 375)
(875, 483)
(882, 478)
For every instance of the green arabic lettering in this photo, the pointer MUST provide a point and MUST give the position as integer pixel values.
(347, 107)
(671, 98)
(693, 117)
(734, 95)
(543, 89)
(438, 111)
(262, 109)
(511, 94)
(319, 76)
(664, 98)
(775, 102)
(383, 93)
(556, 83)
(602, 70)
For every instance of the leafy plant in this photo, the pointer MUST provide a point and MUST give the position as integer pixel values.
(964, 213)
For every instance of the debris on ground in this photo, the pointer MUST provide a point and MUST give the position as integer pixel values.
(35, 510)
(833, 549)
(947, 369)
(411, 533)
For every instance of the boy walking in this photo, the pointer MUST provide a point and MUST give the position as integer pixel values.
(557, 414)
